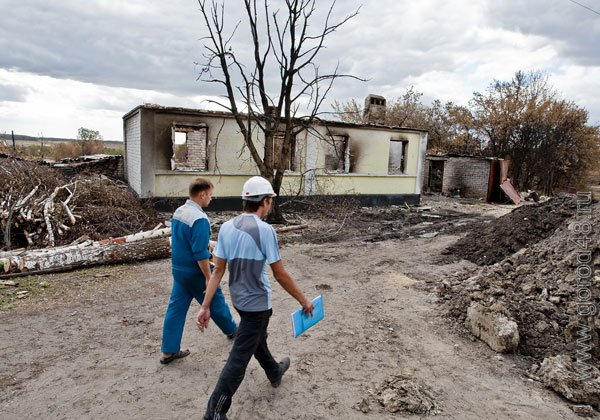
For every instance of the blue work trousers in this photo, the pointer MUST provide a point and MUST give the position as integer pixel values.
(251, 340)
(188, 286)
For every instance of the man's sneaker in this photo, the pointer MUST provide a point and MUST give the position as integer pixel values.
(284, 365)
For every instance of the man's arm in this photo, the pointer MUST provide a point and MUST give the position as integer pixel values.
(214, 281)
(205, 268)
(200, 243)
(284, 278)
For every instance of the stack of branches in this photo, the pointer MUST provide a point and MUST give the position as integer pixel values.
(110, 209)
(333, 214)
(34, 204)
(39, 207)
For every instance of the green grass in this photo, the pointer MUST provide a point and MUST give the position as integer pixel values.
(34, 285)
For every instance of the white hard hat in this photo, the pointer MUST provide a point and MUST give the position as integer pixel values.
(256, 188)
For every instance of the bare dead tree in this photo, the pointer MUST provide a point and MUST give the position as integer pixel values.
(285, 42)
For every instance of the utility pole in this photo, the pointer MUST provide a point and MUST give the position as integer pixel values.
(12, 132)
(42, 146)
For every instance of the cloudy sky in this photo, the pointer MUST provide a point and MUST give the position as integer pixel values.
(66, 64)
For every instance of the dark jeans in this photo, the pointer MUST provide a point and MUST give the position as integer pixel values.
(251, 340)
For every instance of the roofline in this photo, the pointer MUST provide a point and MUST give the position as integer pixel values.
(178, 110)
(204, 112)
(459, 155)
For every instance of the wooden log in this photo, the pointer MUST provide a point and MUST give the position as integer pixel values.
(5, 254)
(86, 254)
(47, 209)
(8, 229)
(155, 233)
(290, 228)
(24, 200)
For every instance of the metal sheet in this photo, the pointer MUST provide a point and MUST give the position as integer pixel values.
(510, 191)
(504, 165)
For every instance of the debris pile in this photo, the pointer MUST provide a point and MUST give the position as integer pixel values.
(537, 287)
(561, 374)
(336, 220)
(39, 207)
(524, 226)
(541, 287)
(108, 165)
(400, 393)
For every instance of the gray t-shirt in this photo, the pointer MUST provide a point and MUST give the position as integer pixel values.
(248, 245)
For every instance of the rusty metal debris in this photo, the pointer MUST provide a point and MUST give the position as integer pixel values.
(510, 191)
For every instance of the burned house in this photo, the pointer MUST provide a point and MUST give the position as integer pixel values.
(465, 176)
(166, 147)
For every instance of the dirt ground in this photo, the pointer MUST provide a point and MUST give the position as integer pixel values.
(86, 344)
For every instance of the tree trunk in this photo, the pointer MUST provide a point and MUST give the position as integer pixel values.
(138, 247)
(276, 215)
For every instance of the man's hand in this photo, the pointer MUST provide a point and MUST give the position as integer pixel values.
(308, 308)
(283, 277)
(203, 318)
(211, 288)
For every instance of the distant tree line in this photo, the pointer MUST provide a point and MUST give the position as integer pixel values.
(88, 142)
(547, 138)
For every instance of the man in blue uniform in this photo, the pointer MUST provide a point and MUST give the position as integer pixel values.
(248, 245)
(190, 237)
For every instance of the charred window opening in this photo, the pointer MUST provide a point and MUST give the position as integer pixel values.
(337, 154)
(436, 175)
(397, 161)
(190, 145)
(290, 164)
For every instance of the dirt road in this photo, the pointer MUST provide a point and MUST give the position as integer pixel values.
(87, 345)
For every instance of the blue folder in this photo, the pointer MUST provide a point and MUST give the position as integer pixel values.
(302, 322)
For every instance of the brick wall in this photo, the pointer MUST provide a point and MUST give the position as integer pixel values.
(469, 175)
(196, 146)
(133, 151)
(196, 149)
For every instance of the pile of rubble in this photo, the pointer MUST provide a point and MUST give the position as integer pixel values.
(541, 300)
(400, 394)
(39, 207)
(337, 220)
(525, 226)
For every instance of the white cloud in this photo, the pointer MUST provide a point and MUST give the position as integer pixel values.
(580, 84)
(87, 63)
(58, 107)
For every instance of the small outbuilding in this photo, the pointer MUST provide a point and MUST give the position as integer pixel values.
(465, 176)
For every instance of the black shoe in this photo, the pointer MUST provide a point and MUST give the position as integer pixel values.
(221, 417)
(284, 365)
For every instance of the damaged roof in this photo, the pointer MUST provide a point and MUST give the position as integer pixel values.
(204, 112)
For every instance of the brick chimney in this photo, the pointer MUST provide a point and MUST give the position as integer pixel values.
(374, 110)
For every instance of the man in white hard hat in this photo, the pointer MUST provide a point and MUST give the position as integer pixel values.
(247, 245)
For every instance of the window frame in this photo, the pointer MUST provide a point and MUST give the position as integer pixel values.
(343, 158)
(188, 164)
(401, 168)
